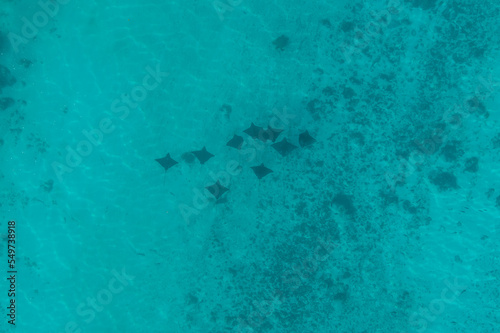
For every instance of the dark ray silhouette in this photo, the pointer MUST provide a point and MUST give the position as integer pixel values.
(261, 171)
(202, 155)
(269, 134)
(235, 142)
(305, 139)
(166, 162)
(281, 42)
(272, 134)
(254, 131)
(284, 147)
(217, 190)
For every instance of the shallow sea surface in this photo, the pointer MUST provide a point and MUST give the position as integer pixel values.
(388, 222)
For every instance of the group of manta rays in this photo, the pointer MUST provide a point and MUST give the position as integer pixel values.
(256, 132)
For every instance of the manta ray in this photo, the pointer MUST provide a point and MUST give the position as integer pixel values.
(261, 171)
(166, 162)
(202, 155)
(217, 190)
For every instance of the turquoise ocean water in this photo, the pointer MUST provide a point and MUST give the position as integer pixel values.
(388, 221)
